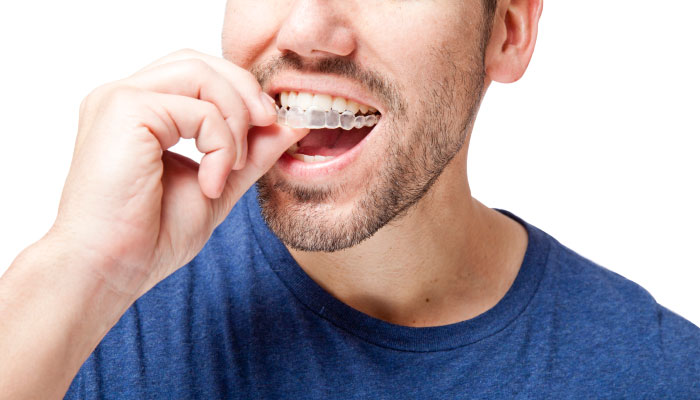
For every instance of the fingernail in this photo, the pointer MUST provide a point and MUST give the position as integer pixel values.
(268, 103)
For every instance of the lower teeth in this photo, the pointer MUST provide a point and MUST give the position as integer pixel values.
(314, 118)
(292, 151)
(310, 159)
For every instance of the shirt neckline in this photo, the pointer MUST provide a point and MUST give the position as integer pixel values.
(397, 337)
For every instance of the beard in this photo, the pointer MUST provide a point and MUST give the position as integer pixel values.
(421, 142)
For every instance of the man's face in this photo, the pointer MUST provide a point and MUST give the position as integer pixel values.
(418, 62)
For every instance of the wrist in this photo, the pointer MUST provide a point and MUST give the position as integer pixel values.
(53, 316)
(104, 273)
(52, 266)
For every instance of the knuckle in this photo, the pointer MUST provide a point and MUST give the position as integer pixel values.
(93, 97)
(246, 120)
(97, 96)
(87, 103)
(243, 114)
(238, 115)
(210, 110)
(186, 53)
(120, 95)
(229, 152)
(195, 66)
(239, 126)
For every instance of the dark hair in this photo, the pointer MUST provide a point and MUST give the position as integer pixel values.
(489, 12)
(490, 9)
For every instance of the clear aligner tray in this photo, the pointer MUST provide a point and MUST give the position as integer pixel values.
(314, 118)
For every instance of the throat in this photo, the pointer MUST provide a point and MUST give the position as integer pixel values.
(386, 277)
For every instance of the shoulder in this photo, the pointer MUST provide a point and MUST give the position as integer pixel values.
(617, 325)
(592, 288)
(591, 291)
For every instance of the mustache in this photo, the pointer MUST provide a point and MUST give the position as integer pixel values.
(377, 84)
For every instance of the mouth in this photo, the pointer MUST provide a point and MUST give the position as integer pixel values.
(337, 124)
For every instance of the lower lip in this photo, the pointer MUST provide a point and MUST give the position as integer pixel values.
(300, 169)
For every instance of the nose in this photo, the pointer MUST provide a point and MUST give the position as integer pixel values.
(316, 28)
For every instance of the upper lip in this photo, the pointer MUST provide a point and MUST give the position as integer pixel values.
(324, 84)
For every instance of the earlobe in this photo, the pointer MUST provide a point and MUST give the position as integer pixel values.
(513, 38)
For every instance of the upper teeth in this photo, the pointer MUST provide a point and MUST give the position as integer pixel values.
(322, 102)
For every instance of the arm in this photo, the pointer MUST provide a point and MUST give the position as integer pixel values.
(52, 318)
(131, 212)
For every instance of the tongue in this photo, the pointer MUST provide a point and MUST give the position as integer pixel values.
(330, 142)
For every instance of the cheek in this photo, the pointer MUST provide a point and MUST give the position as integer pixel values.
(419, 55)
(249, 29)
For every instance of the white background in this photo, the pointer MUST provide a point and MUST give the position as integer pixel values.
(598, 144)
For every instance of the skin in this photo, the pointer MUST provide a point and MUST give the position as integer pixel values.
(409, 272)
(108, 245)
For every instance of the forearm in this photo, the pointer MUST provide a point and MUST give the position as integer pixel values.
(52, 317)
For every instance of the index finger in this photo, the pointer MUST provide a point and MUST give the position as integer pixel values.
(244, 82)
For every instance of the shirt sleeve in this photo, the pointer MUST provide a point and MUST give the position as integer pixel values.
(680, 348)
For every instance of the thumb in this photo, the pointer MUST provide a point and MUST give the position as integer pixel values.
(265, 146)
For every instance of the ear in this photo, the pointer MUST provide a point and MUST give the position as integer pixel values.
(513, 38)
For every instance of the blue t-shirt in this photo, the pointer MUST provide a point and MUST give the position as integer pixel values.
(243, 320)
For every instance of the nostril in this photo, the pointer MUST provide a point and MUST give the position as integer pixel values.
(312, 29)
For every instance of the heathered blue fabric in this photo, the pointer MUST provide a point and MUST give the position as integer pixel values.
(243, 321)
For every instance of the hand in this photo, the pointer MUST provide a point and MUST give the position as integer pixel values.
(134, 210)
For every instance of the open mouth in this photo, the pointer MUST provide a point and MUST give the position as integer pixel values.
(336, 124)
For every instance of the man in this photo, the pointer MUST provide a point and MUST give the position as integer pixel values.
(359, 266)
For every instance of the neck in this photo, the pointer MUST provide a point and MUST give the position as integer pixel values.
(449, 259)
